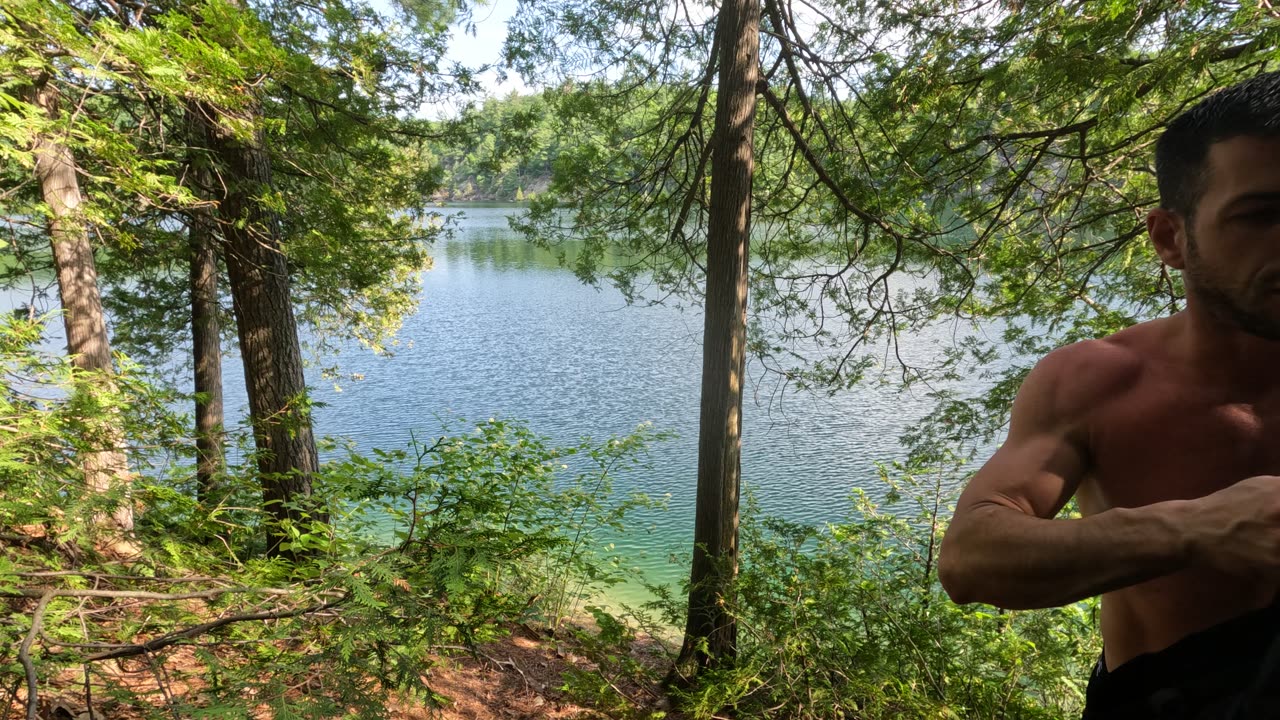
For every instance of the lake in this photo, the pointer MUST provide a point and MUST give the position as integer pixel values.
(503, 332)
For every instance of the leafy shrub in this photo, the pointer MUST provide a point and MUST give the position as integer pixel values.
(849, 621)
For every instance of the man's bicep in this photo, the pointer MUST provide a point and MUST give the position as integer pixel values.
(1036, 475)
(1042, 462)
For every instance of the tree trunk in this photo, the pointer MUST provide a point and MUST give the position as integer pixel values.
(259, 281)
(711, 634)
(105, 466)
(206, 347)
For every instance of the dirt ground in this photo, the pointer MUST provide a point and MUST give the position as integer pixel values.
(517, 678)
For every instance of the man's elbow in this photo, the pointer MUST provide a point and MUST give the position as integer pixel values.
(958, 585)
(956, 579)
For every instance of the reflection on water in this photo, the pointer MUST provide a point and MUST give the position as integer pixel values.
(491, 249)
(503, 331)
(485, 241)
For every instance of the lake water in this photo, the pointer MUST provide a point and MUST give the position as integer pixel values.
(503, 332)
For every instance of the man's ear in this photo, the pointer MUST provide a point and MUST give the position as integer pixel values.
(1169, 236)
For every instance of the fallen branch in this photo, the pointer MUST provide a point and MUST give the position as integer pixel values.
(24, 655)
(107, 576)
(501, 663)
(626, 696)
(139, 594)
(166, 640)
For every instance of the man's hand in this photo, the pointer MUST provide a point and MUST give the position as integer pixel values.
(1237, 529)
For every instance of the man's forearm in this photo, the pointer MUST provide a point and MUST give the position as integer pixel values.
(998, 555)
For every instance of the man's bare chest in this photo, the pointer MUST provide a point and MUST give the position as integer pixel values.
(1160, 443)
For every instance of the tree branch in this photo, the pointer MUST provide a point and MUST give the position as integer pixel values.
(24, 655)
(139, 594)
(820, 171)
(174, 637)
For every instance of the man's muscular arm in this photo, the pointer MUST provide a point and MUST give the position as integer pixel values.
(1004, 547)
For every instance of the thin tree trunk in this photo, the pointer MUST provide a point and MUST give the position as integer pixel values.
(206, 346)
(259, 282)
(711, 634)
(106, 468)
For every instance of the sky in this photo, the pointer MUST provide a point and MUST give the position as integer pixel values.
(486, 45)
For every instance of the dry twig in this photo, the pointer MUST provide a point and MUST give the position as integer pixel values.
(24, 655)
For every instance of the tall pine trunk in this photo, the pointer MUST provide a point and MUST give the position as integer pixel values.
(268, 333)
(106, 467)
(206, 346)
(711, 634)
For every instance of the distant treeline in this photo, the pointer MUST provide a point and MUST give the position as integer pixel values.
(501, 150)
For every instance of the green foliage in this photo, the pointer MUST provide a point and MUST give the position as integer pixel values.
(503, 149)
(849, 621)
(493, 519)
(51, 413)
(983, 165)
(429, 552)
(622, 681)
(915, 163)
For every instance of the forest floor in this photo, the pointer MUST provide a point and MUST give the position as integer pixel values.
(522, 676)
(519, 677)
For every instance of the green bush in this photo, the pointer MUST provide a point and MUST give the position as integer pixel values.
(849, 621)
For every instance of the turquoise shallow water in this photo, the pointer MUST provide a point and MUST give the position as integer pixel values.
(503, 332)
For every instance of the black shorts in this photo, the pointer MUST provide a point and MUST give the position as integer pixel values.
(1230, 671)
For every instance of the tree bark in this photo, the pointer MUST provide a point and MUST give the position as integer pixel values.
(106, 467)
(268, 333)
(711, 633)
(206, 345)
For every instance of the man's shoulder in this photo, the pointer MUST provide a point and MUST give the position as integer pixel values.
(1095, 361)
(1082, 375)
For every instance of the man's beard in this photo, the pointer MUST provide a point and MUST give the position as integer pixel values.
(1226, 303)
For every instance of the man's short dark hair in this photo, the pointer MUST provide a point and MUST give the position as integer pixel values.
(1248, 109)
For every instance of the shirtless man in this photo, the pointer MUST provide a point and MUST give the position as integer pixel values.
(1168, 435)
